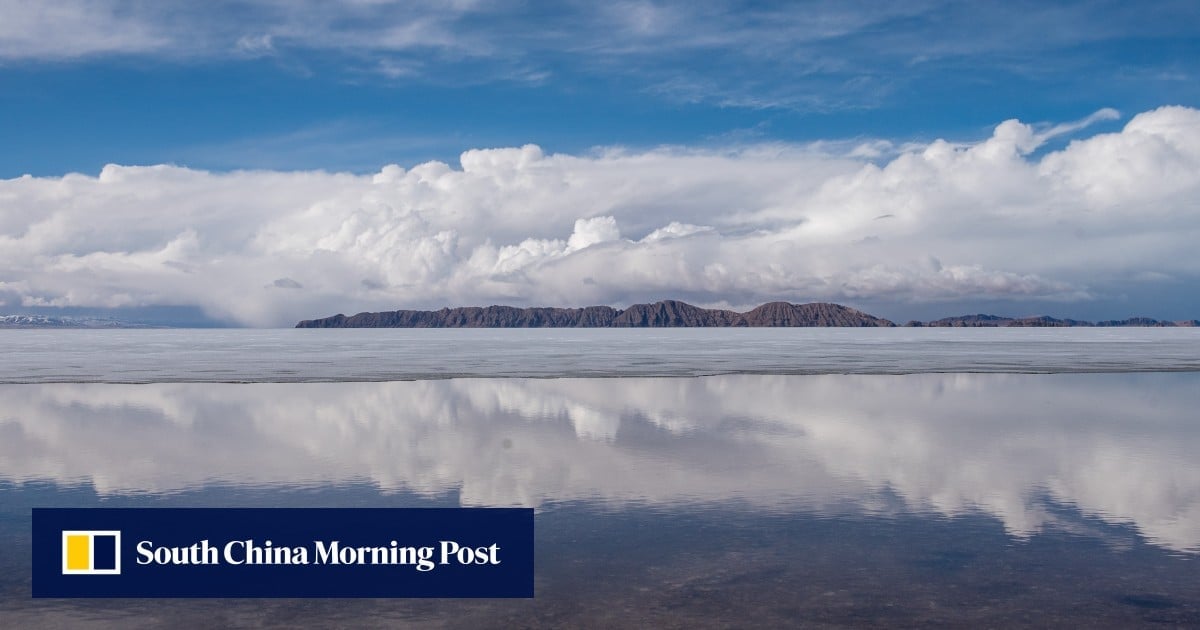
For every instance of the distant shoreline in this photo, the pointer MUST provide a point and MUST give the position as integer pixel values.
(676, 314)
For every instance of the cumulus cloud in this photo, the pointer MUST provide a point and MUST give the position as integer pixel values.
(990, 220)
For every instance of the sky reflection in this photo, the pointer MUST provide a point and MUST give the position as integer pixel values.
(1118, 447)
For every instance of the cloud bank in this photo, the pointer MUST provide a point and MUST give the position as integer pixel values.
(999, 219)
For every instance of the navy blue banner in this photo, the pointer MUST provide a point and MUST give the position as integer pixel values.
(285, 552)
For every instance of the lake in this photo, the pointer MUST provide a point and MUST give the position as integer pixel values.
(373, 354)
(681, 478)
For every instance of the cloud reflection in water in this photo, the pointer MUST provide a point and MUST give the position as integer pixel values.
(1119, 447)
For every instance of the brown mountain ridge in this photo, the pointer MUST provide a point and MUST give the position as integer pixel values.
(1043, 321)
(664, 314)
(676, 314)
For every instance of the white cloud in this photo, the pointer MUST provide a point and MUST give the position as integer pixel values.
(675, 229)
(593, 231)
(990, 220)
(255, 45)
(68, 29)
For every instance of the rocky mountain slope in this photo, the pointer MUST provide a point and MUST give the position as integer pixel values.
(1043, 321)
(676, 314)
(664, 314)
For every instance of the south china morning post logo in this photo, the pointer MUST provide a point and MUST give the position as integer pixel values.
(283, 552)
(252, 552)
(91, 552)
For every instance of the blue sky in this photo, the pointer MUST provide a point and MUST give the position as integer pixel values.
(353, 86)
(650, 94)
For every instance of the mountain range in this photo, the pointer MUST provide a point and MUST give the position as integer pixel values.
(676, 314)
(50, 321)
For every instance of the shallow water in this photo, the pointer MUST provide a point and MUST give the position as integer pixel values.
(960, 499)
(301, 355)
